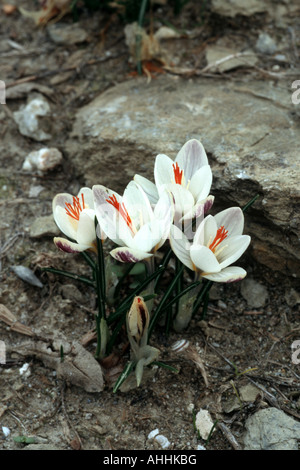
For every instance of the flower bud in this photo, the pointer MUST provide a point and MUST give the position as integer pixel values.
(138, 319)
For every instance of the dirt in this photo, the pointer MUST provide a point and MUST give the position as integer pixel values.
(239, 345)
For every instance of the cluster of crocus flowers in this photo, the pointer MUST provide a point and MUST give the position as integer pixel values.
(174, 207)
(148, 213)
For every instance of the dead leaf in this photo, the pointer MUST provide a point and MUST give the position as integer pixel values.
(9, 319)
(51, 9)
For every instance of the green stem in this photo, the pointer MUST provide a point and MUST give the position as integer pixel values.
(127, 302)
(201, 295)
(83, 279)
(89, 260)
(250, 203)
(164, 264)
(163, 301)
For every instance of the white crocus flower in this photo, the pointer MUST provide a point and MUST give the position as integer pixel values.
(218, 243)
(75, 217)
(131, 222)
(188, 179)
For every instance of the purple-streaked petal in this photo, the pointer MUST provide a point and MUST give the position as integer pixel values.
(129, 255)
(230, 274)
(204, 259)
(69, 247)
(191, 157)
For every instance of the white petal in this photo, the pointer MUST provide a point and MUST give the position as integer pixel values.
(69, 247)
(88, 197)
(181, 246)
(183, 200)
(129, 255)
(108, 217)
(191, 157)
(232, 219)
(206, 231)
(230, 274)
(233, 249)
(137, 204)
(201, 183)
(149, 188)
(147, 237)
(163, 171)
(86, 233)
(65, 223)
(204, 259)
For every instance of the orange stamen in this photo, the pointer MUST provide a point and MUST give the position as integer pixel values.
(220, 236)
(121, 209)
(73, 210)
(178, 173)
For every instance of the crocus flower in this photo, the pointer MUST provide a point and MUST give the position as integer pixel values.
(75, 217)
(218, 242)
(188, 179)
(131, 222)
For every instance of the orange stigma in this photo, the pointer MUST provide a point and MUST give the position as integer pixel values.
(121, 209)
(220, 236)
(73, 210)
(178, 173)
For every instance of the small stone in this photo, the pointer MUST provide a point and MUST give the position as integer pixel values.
(44, 227)
(69, 291)
(254, 293)
(265, 44)
(271, 429)
(61, 33)
(42, 160)
(248, 393)
(28, 116)
(204, 423)
(292, 297)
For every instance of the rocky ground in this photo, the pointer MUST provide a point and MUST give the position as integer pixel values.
(249, 381)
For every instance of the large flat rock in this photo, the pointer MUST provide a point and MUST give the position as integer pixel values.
(250, 131)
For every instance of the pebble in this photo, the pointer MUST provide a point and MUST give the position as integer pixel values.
(66, 34)
(44, 227)
(42, 160)
(27, 118)
(162, 440)
(27, 275)
(203, 423)
(271, 429)
(254, 293)
(265, 44)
